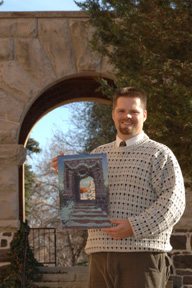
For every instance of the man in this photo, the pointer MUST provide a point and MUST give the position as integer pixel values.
(146, 199)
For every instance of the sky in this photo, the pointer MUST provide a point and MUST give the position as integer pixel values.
(43, 130)
(39, 5)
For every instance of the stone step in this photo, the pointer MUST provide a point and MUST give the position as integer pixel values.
(85, 205)
(63, 277)
(87, 208)
(84, 212)
(89, 217)
(68, 277)
(89, 225)
(61, 284)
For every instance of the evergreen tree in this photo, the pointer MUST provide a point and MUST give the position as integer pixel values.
(32, 147)
(92, 126)
(23, 269)
(149, 45)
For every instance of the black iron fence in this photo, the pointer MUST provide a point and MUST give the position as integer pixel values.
(43, 244)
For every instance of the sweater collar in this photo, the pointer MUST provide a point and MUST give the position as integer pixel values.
(131, 141)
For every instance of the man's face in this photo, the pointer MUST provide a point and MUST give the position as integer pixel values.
(129, 116)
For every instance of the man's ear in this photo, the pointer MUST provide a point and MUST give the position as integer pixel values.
(145, 115)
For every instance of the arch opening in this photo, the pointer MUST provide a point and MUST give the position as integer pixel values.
(67, 91)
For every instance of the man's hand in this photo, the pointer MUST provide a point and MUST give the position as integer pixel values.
(55, 163)
(122, 230)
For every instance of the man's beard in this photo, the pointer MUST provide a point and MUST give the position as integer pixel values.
(125, 131)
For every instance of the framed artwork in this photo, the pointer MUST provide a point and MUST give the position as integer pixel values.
(83, 188)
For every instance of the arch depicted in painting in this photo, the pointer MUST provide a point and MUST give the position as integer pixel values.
(75, 171)
(77, 212)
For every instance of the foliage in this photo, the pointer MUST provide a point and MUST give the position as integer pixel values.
(32, 147)
(29, 182)
(149, 45)
(15, 274)
(92, 126)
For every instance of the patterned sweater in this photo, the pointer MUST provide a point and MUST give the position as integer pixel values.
(146, 187)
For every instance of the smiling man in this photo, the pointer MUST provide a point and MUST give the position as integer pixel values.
(146, 199)
(129, 115)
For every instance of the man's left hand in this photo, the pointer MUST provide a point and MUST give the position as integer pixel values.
(122, 230)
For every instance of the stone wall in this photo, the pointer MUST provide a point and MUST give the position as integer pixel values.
(38, 50)
(181, 255)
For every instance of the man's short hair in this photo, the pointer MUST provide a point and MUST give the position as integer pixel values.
(131, 92)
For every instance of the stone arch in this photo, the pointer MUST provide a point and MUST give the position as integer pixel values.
(75, 171)
(79, 88)
(42, 55)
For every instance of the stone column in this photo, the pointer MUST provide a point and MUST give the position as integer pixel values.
(11, 157)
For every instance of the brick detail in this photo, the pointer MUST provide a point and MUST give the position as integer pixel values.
(187, 280)
(183, 261)
(181, 241)
(178, 242)
(4, 255)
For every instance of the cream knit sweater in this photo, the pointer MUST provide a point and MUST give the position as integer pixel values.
(146, 187)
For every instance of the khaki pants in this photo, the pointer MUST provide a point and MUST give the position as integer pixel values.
(129, 270)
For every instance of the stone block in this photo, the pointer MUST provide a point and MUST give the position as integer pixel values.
(62, 284)
(187, 280)
(178, 242)
(7, 234)
(10, 109)
(191, 242)
(6, 238)
(4, 257)
(12, 225)
(8, 130)
(169, 284)
(7, 27)
(12, 155)
(59, 277)
(4, 266)
(26, 28)
(32, 57)
(16, 82)
(184, 272)
(54, 36)
(86, 58)
(82, 277)
(20, 27)
(8, 206)
(3, 243)
(182, 261)
(8, 180)
(6, 49)
(177, 281)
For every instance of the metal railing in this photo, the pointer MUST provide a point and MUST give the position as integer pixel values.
(43, 244)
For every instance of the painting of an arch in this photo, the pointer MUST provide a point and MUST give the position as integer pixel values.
(83, 187)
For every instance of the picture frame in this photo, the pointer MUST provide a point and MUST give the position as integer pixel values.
(83, 189)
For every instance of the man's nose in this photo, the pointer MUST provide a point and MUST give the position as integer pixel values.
(129, 115)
